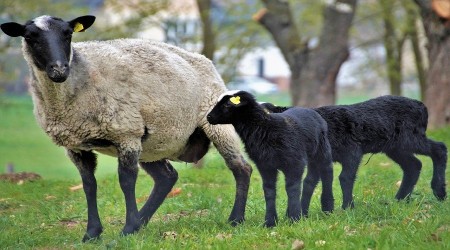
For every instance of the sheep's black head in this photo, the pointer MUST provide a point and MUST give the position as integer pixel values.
(47, 40)
(231, 106)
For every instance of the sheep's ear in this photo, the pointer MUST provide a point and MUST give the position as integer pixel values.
(81, 23)
(13, 29)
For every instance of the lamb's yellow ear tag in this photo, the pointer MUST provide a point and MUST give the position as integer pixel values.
(78, 27)
(235, 100)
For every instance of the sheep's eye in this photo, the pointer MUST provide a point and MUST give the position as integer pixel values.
(30, 39)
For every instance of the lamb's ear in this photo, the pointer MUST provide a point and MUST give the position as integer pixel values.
(13, 29)
(236, 101)
(81, 23)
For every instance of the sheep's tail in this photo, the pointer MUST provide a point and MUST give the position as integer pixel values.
(324, 148)
(423, 123)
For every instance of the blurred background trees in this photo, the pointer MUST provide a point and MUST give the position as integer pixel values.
(324, 49)
(314, 68)
(436, 21)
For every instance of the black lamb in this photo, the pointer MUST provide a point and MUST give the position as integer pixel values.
(285, 142)
(393, 125)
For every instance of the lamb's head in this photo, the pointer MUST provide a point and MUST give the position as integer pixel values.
(231, 106)
(47, 42)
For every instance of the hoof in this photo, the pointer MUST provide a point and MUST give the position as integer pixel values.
(127, 230)
(293, 219)
(92, 236)
(235, 222)
(350, 205)
(270, 221)
(270, 224)
(440, 194)
(328, 210)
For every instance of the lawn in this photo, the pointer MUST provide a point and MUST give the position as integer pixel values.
(47, 214)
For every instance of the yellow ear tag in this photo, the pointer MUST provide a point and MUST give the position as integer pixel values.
(78, 27)
(235, 100)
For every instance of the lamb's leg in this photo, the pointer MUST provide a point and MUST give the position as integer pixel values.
(165, 177)
(438, 153)
(439, 157)
(128, 170)
(411, 167)
(227, 143)
(269, 180)
(350, 161)
(326, 175)
(86, 162)
(293, 180)
(309, 184)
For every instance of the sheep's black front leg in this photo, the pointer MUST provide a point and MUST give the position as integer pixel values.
(351, 158)
(86, 162)
(411, 167)
(228, 144)
(269, 179)
(293, 180)
(165, 177)
(241, 173)
(128, 171)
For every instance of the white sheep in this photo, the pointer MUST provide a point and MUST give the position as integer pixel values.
(144, 102)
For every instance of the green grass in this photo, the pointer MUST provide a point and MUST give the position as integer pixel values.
(46, 214)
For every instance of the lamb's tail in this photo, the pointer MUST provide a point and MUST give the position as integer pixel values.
(324, 147)
(423, 121)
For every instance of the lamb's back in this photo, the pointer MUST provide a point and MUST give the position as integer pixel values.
(306, 127)
(374, 123)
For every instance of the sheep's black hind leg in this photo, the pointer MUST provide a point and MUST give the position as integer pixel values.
(411, 167)
(309, 184)
(438, 153)
(165, 177)
(439, 157)
(86, 162)
(293, 179)
(350, 164)
(269, 179)
(326, 175)
(128, 171)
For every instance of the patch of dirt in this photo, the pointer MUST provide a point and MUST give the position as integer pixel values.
(69, 223)
(20, 177)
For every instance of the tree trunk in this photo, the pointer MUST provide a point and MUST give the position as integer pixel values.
(413, 34)
(208, 36)
(313, 71)
(421, 73)
(437, 93)
(393, 46)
